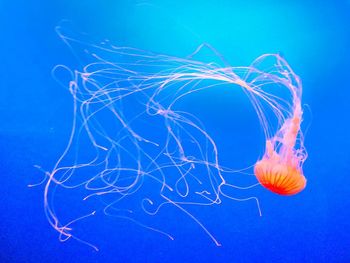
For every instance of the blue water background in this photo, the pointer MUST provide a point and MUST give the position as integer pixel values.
(35, 118)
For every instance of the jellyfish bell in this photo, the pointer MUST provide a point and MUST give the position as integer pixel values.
(279, 176)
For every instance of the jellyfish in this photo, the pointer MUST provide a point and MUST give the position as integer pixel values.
(280, 169)
(136, 151)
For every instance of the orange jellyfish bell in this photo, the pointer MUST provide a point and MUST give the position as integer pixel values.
(279, 177)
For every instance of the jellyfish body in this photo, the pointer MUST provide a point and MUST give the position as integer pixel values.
(279, 177)
(278, 173)
(280, 169)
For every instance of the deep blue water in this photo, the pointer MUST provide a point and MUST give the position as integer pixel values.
(35, 120)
